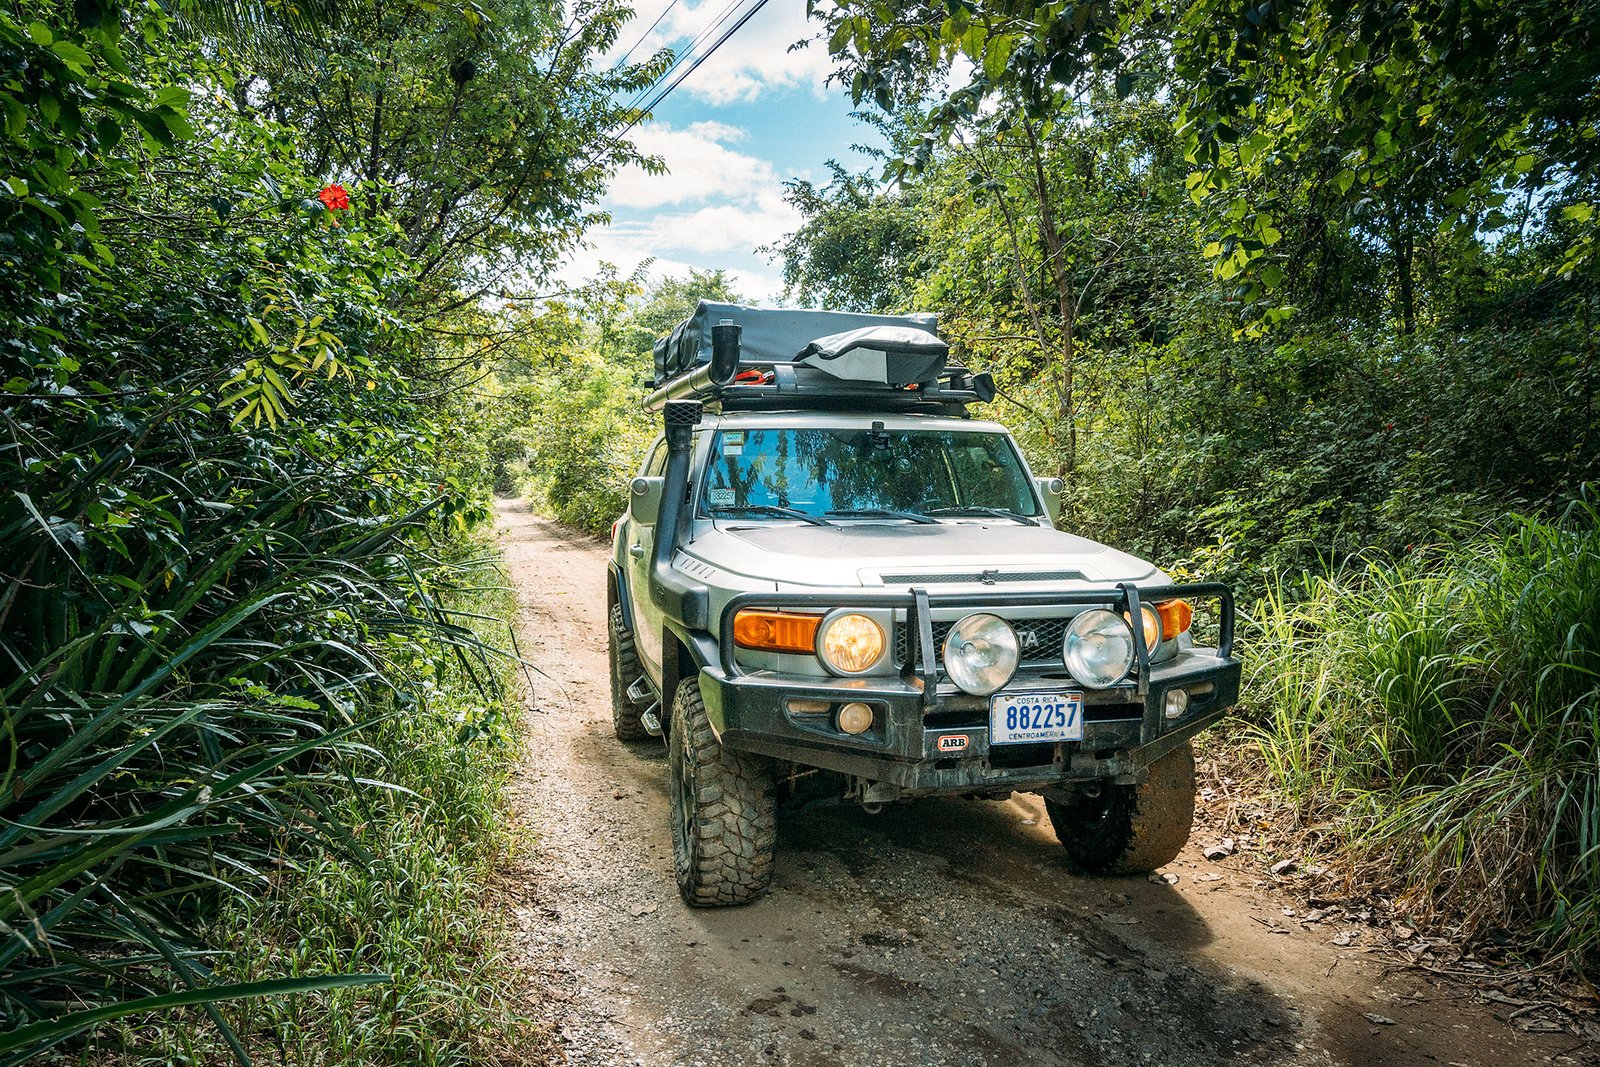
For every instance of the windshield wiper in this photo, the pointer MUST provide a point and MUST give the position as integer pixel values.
(999, 513)
(882, 513)
(768, 509)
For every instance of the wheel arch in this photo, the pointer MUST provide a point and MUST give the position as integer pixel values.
(683, 653)
(616, 593)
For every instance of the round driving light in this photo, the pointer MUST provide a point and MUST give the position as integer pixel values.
(1177, 703)
(981, 653)
(850, 644)
(1098, 648)
(855, 718)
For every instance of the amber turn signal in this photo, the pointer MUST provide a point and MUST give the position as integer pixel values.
(776, 631)
(1176, 615)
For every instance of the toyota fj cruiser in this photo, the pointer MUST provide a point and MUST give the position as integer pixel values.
(827, 566)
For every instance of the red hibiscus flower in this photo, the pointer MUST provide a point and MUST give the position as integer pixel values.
(334, 197)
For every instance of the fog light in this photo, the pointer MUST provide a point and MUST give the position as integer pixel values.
(855, 718)
(1177, 703)
(1098, 648)
(981, 653)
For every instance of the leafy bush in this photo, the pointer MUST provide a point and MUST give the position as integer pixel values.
(408, 897)
(1445, 710)
(221, 512)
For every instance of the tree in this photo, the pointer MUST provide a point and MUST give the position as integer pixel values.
(485, 132)
(860, 247)
(1413, 114)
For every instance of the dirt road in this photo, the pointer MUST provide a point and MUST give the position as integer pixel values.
(940, 932)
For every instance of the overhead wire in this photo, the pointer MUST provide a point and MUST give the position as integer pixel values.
(643, 103)
(679, 57)
(646, 35)
(655, 101)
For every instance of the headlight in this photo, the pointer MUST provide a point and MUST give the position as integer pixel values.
(850, 644)
(1098, 648)
(981, 653)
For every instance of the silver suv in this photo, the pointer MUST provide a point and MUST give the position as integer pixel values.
(826, 565)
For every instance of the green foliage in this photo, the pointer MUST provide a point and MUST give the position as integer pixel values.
(1249, 458)
(857, 250)
(411, 903)
(232, 471)
(582, 368)
(1445, 713)
(1391, 120)
(481, 129)
(587, 443)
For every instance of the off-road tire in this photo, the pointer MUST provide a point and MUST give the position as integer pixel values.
(1129, 829)
(724, 824)
(627, 714)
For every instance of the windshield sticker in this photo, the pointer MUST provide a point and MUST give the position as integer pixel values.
(733, 443)
(719, 497)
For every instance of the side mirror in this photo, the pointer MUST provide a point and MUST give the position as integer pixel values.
(1050, 489)
(644, 499)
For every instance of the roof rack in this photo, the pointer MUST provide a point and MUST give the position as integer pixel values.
(883, 363)
(769, 385)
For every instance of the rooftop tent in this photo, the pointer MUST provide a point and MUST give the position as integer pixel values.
(767, 334)
(888, 355)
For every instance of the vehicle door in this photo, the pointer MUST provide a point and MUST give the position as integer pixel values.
(640, 545)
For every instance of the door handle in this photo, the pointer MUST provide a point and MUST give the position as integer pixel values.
(635, 550)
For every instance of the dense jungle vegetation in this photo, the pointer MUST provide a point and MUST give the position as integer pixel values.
(1297, 296)
(257, 695)
(1300, 296)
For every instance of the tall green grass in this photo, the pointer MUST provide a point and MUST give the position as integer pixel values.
(414, 904)
(1445, 712)
(197, 665)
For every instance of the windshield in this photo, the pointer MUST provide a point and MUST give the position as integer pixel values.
(834, 472)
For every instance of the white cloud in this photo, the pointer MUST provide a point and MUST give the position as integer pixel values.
(715, 209)
(755, 59)
(627, 248)
(700, 166)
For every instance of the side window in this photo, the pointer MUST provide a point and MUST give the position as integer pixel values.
(657, 461)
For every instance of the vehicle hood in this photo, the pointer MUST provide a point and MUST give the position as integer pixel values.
(1000, 554)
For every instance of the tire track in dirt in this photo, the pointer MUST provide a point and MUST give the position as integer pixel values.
(941, 932)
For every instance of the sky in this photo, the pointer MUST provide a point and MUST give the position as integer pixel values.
(754, 115)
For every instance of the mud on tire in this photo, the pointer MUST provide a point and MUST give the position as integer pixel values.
(1129, 829)
(724, 827)
(626, 713)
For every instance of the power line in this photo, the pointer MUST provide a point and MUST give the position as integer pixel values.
(720, 41)
(641, 109)
(646, 35)
(680, 57)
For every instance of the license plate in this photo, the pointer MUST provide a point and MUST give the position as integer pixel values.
(1022, 718)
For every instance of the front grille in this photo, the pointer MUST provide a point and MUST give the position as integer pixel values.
(1040, 640)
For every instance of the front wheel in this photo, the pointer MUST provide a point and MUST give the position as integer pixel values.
(1129, 829)
(724, 823)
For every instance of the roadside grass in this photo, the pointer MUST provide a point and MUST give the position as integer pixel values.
(1443, 714)
(424, 801)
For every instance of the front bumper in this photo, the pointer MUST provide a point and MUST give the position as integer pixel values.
(928, 737)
